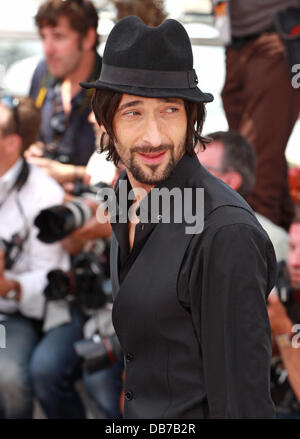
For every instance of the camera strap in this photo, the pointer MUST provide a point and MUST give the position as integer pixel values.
(20, 181)
(17, 240)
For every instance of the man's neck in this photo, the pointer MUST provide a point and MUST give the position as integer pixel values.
(137, 185)
(70, 83)
(7, 163)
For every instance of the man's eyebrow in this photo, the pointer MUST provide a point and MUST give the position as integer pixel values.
(130, 104)
(139, 102)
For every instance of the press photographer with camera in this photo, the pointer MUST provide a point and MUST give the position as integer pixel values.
(284, 312)
(78, 327)
(24, 260)
(68, 31)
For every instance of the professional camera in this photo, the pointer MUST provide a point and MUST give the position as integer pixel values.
(56, 222)
(85, 283)
(99, 352)
(281, 391)
(53, 152)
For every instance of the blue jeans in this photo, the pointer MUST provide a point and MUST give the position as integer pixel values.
(55, 368)
(16, 398)
(105, 387)
(286, 415)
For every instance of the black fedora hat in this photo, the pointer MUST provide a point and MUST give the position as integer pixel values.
(153, 62)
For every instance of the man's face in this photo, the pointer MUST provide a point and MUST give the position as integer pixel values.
(293, 260)
(62, 47)
(212, 158)
(150, 136)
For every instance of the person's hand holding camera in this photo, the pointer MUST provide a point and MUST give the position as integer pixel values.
(61, 172)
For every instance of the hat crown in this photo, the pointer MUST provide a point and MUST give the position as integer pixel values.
(132, 44)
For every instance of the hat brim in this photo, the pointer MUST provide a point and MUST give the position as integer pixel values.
(188, 94)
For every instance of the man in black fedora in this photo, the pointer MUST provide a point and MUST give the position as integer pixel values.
(190, 300)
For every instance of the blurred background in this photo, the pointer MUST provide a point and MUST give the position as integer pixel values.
(20, 51)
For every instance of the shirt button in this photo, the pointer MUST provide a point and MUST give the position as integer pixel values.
(129, 357)
(129, 395)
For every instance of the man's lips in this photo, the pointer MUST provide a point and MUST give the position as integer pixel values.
(152, 157)
(53, 60)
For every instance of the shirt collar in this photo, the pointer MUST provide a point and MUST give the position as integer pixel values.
(9, 178)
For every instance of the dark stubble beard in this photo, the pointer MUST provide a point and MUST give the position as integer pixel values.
(157, 176)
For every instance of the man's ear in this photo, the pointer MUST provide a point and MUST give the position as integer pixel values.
(89, 39)
(233, 179)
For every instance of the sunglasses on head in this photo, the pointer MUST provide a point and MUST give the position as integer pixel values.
(12, 103)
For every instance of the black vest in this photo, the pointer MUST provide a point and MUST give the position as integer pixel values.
(162, 355)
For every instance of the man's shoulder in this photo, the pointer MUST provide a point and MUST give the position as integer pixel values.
(231, 228)
(43, 188)
(233, 218)
(224, 209)
(219, 199)
(38, 76)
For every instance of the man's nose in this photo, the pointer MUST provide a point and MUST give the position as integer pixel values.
(48, 47)
(152, 131)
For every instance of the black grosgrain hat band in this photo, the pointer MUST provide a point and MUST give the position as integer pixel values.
(148, 78)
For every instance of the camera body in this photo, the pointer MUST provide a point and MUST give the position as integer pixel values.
(99, 352)
(85, 283)
(52, 151)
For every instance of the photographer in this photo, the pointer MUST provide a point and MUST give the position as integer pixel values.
(232, 158)
(68, 31)
(24, 260)
(78, 314)
(283, 309)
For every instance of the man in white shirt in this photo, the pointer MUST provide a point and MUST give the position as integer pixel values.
(24, 260)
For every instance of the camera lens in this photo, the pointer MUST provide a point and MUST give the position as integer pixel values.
(59, 221)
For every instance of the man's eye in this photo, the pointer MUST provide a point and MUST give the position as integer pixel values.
(171, 110)
(131, 113)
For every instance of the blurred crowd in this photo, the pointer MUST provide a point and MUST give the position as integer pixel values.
(55, 291)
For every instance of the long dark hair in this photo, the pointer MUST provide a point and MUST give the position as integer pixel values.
(106, 102)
